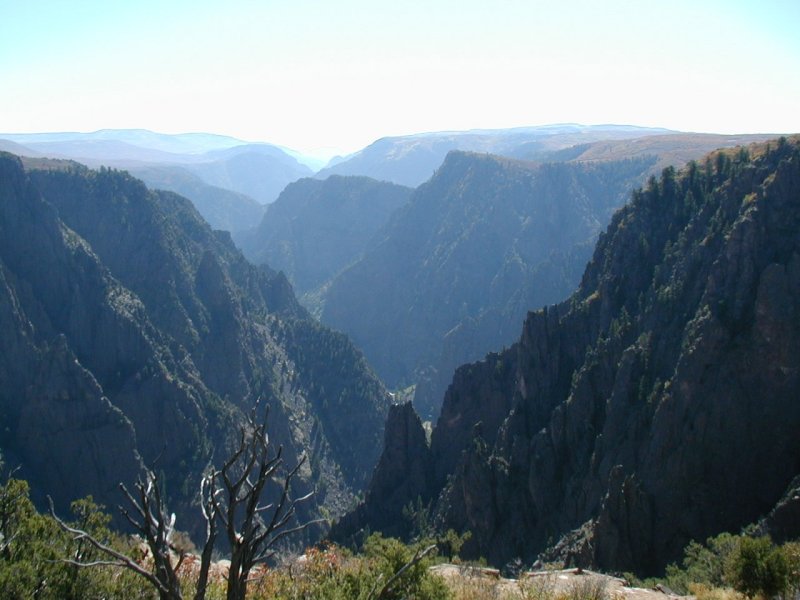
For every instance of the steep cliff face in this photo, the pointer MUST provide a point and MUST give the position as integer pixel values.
(317, 228)
(62, 311)
(455, 270)
(148, 336)
(659, 403)
(404, 475)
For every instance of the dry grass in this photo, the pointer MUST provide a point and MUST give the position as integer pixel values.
(474, 585)
(586, 588)
(705, 592)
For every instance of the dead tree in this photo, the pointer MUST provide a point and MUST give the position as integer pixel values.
(149, 518)
(253, 529)
(156, 526)
(208, 506)
(229, 496)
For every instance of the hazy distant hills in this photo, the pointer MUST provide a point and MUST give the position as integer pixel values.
(317, 228)
(15, 148)
(207, 167)
(258, 171)
(411, 160)
(669, 150)
(223, 208)
(180, 143)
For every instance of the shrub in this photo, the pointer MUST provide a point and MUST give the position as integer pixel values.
(33, 549)
(708, 564)
(330, 573)
(791, 550)
(702, 591)
(540, 587)
(759, 568)
(587, 588)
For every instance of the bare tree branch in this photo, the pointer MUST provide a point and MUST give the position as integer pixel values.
(244, 477)
(229, 496)
(94, 563)
(123, 560)
(210, 509)
(150, 519)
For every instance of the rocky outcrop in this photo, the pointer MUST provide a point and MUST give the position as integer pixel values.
(403, 469)
(402, 478)
(476, 404)
(656, 405)
(783, 521)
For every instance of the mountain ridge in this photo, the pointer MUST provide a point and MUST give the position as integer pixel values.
(143, 320)
(410, 160)
(485, 238)
(317, 228)
(655, 406)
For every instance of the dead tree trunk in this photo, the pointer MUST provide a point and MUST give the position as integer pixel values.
(148, 516)
(251, 535)
(230, 496)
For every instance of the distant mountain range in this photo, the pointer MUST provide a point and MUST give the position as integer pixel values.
(412, 159)
(193, 164)
(200, 165)
(420, 288)
(180, 143)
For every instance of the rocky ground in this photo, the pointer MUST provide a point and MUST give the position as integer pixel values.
(478, 583)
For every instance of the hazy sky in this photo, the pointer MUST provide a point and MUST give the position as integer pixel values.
(313, 74)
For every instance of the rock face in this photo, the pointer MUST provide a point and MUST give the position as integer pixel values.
(455, 270)
(403, 475)
(315, 228)
(132, 333)
(783, 522)
(658, 404)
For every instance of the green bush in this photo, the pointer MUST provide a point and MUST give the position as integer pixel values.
(331, 573)
(791, 551)
(759, 568)
(34, 550)
(752, 566)
(389, 555)
(707, 564)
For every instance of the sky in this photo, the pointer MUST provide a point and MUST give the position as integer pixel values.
(327, 77)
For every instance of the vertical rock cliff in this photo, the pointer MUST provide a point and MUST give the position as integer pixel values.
(659, 403)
